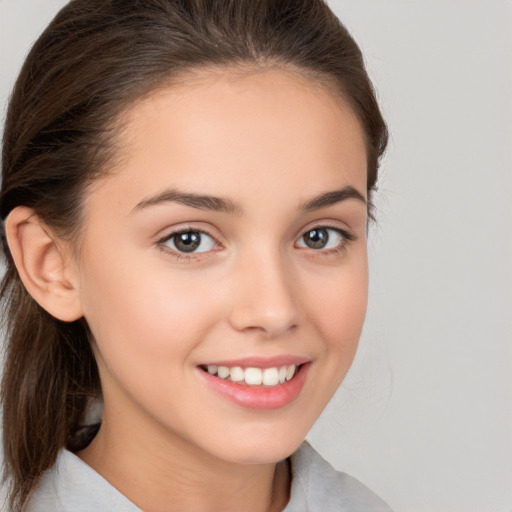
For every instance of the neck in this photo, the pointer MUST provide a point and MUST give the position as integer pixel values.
(165, 473)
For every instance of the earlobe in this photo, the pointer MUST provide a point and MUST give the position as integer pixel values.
(42, 264)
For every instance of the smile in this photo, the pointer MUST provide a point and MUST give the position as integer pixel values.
(256, 387)
(254, 376)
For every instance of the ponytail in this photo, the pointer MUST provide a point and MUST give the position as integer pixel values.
(49, 375)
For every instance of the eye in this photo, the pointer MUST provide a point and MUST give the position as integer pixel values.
(322, 238)
(189, 241)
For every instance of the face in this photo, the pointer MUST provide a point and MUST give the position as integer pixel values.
(224, 269)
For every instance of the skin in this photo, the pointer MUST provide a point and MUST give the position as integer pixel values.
(268, 141)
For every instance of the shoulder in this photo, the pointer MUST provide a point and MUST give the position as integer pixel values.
(317, 486)
(73, 486)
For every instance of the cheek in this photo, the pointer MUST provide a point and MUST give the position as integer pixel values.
(336, 306)
(339, 305)
(149, 315)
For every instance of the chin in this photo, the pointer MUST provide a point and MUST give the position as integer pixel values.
(260, 447)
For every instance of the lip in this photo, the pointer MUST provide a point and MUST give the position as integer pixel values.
(260, 362)
(255, 397)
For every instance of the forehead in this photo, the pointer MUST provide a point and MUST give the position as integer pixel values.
(232, 134)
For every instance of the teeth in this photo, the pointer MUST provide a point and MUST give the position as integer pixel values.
(237, 374)
(282, 374)
(255, 376)
(223, 372)
(271, 376)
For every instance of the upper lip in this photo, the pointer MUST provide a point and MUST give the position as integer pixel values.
(260, 362)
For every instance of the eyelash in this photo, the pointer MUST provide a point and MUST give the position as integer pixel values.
(346, 239)
(181, 256)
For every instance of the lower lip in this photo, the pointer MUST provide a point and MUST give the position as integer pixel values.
(256, 397)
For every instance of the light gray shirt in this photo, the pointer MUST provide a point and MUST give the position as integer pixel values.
(73, 486)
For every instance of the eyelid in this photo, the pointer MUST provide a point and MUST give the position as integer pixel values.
(346, 238)
(160, 242)
(185, 228)
(326, 224)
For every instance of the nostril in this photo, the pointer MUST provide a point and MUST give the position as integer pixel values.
(263, 299)
(271, 322)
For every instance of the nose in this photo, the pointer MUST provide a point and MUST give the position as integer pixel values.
(264, 297)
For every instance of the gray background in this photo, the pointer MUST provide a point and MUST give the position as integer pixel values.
(425, 415)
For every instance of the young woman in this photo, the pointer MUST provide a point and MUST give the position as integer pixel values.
(186, 191)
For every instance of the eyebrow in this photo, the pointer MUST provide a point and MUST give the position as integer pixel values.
(219, 204)
(202, 202)
(331, 198)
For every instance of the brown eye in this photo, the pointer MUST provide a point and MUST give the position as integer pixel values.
(316, 238)
(322, 238)
(190, 241)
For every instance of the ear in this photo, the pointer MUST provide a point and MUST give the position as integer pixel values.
(43, 264)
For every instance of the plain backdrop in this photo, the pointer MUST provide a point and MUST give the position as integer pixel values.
(424, 417)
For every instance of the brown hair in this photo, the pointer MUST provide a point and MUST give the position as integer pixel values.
(94, 59)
